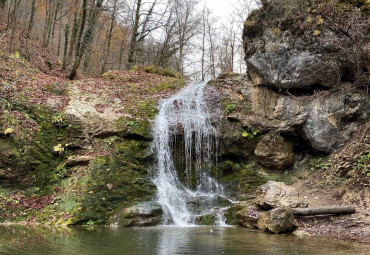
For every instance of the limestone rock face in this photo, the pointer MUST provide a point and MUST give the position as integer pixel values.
(278, 220)
(283, 65)
(277, 194)
(273, 152)
(325, 121)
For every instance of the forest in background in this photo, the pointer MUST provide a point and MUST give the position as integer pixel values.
(93, 36)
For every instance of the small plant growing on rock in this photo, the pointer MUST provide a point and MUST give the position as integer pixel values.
(251, 135)
(364, 163)
(58, 120)
(230, 108)
(58, 149)
(132, 124)
(8, 131)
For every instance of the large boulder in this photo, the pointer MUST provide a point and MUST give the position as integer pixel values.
(278, 220)
(277, 194)
(274, 152)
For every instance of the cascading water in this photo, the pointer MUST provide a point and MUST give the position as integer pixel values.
(189, 192)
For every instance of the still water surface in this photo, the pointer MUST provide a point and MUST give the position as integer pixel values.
(164, 240)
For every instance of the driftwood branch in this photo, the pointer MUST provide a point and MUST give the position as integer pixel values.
(324, 210)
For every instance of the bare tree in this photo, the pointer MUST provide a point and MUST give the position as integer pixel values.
(109, 37)
(87, 38)
(188, 25)
(147, 19)
(32, 18)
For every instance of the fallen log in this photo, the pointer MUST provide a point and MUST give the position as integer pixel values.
(324, 210)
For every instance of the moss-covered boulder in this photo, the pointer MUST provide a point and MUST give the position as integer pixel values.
(140, 215)
(278, 220)
(248, 217)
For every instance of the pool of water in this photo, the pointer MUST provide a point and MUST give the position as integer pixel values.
(164, 240)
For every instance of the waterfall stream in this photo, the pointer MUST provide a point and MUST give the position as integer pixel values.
(186, 122)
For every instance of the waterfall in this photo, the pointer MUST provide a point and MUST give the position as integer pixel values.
(189, 191)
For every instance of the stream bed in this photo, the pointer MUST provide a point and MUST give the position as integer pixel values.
(164, 240)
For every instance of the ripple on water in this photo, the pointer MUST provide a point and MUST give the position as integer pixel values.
(165, 240)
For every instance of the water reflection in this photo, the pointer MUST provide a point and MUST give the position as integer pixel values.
(164, 240)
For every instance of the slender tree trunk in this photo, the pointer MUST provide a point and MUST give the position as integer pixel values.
(55, 19)
(66, 35)
(47, 15)
(81, 30)
(32, 18)
(72, 43)
(204, 31)
(212, 53)
(88, 37)
(131, 54)
(14, 20)
(120, 60)
(60, 36)
(113, 18)
(87, 61)
(47, 30)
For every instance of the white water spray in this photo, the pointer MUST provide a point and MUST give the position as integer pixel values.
(187, 113)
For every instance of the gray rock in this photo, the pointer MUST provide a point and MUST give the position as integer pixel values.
(277, 194)
(278, 220)
(326, 120)
(284, 62)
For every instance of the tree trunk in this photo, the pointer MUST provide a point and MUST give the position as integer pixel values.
(57, 9)
(131, 54)
(87, 38)
(47, 28)
(59, 37)
(72, 43)
(32, 18)
(66, 35)
(14, 16)
(81, 30)
(120, 60)
(106, 56)
(324, 210)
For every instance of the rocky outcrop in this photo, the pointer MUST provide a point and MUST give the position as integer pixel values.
(278, 220)
(325, 120)
(277, 194)
(274, 152)
(283, 63)
(273, 211)
(293, 46)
